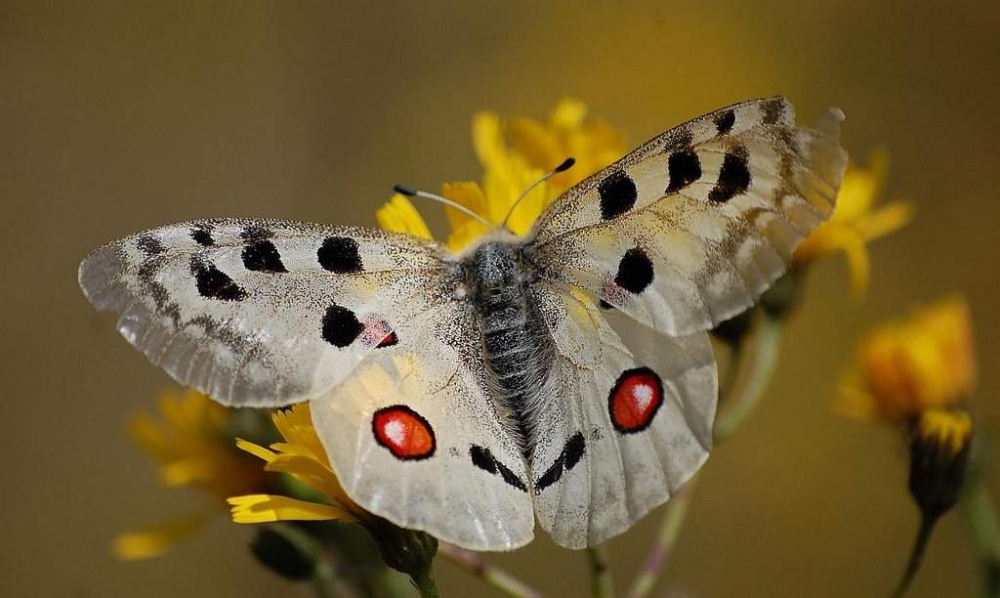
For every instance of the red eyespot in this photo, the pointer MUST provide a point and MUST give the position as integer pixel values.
(404, 432)
(635, 399)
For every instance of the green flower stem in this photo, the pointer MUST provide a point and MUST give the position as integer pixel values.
(741, 397)
(492, 575)
(917, 554)
(600, 572)
(664, 543)
(762, 362)
(424, 583)
(984, 528)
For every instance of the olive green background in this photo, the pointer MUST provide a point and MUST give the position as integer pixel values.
(116, 117)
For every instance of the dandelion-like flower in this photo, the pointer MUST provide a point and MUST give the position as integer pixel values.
(906, 368)
(918, 374)
(193, 450)
(856, 221)
(301, 456)
(515, 153)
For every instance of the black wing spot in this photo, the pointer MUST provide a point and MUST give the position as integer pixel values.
(571, 454)
(150, 245)
(484, 459)
(256, 232)
(262, 256)
(618, 194)
(202, 235)
(340, 255)
(213, 283)
(341, 326)
(725, 121)
(774, 111)
(635, 271)
(734, 176)
(683, 168)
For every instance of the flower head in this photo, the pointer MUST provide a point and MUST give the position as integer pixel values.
(514, 154)
(906, 368)
(193, 449)
(302, 457)
(856, 221)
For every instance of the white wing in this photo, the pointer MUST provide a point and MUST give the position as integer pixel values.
(689, 229)
(414, 437)
(627, 419)
(264, 313)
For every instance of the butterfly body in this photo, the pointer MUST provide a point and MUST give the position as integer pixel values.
(516, 350)
(563, 377)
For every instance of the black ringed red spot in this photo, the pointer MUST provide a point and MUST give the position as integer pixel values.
(404, 433)
(635, 399)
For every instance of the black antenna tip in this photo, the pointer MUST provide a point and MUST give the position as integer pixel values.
(404, 190)
(566, 165)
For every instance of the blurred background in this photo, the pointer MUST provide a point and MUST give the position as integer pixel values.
(115, 117)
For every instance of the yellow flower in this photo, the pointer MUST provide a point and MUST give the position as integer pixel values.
(856, 221)
(193, 450)
(906, 368)
(514, 154)
(301, 456)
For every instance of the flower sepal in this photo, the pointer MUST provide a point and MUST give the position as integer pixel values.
(939, 455)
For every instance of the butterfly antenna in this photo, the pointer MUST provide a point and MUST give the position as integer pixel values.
(566, 165)
(451, 204)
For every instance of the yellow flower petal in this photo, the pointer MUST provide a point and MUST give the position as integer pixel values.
(463, 227)
(255, 450)
(155, 541)
(887, 219)
(568, 115)
(265, 508)
(399, 216)
(947, 427)
(854, 222)
(487, 137)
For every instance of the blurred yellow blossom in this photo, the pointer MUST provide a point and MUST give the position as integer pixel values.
(301, 456)
(905, 368)
(193, 450)
(856, 221)
(514, 154)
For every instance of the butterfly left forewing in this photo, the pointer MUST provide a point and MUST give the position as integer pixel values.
(262, 312)
(626, 420)
(690, 228)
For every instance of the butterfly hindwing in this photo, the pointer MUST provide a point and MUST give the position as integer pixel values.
(689, 229)
(627, 418)
(263, 313)
(415, 436)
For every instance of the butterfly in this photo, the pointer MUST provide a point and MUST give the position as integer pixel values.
(565, 375)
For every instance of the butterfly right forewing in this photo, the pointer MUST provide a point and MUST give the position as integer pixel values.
(690, 228)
